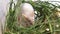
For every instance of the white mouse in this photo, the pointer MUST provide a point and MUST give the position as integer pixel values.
(27, 13)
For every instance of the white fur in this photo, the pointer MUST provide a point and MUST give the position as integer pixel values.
(27, 9)
(4, 8)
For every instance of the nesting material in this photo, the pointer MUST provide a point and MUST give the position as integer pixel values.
(47, 29)
(58, 12)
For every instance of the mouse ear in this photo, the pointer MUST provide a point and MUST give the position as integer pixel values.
(24, 15)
